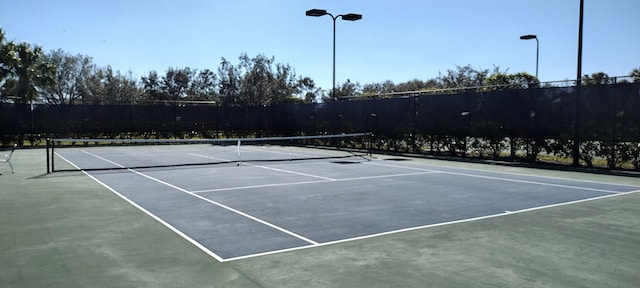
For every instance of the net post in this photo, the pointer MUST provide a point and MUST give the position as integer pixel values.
(53, 146)
(239, 159)
(47, 151)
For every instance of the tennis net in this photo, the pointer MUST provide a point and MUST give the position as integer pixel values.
(84, 154)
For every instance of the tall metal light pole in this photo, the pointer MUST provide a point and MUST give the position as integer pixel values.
(347, 17)
(576, 121)
(529, 37)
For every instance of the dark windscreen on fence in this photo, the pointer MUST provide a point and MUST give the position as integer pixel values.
(607, 113)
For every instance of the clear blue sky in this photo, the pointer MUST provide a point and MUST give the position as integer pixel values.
(396, 40)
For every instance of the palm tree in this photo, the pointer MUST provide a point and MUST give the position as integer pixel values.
(22, 70)
(635, 74)
(31, 72)
(7, 62)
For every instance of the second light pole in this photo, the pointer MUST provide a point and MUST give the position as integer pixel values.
(529, 37)
(347, 17)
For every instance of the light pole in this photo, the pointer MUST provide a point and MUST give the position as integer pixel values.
(576, 115)
(347, 17)
(529, 37)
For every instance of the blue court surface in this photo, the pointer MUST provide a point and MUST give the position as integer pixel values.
(233, 211)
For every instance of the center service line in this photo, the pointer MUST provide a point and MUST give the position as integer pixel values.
(268, 168)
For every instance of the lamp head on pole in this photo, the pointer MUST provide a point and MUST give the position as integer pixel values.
(316, 12)
(352, 17)
(528, 37)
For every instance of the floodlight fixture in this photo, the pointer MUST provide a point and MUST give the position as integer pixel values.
(351, 17)
(346, 17)
(316, 12)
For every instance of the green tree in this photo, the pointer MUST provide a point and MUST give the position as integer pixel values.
(596, 79)
(152, 87)
(284, 86)
(93, 90)
(257, 81)
(308, 89)
(416, 85)
(203, 87)
(463, 77)
(176, 83)
(347, 89)
(70, 76)
(120, 88)
(105, 87)
(256, 84)
(229, 86)
(522, 80)
(373, 89)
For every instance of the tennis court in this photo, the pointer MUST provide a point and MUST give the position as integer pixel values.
(232, 207)
(66, 230)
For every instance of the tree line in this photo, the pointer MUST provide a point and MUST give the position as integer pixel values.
(27, 74)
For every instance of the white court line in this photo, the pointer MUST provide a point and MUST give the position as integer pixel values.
(267, 168)
(535, 183)
(387, 176)
(425, 171)
(506, 213)
(277, 152)
(211, 157)
(260, 186)
(289, 152)
(513, 173)
(513, 180)
(212, 202)
(312, 182)
(324, 179)
(400, 166)
(292, 172)
(134, 204)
